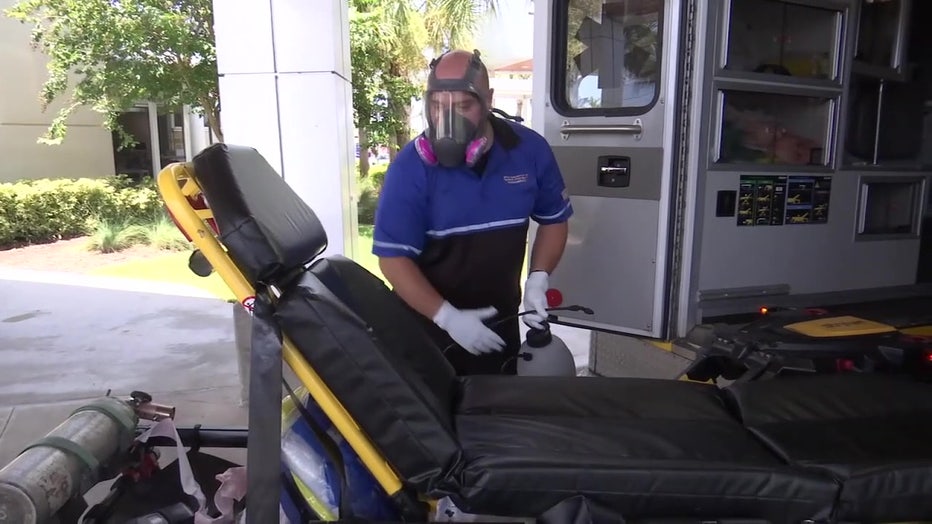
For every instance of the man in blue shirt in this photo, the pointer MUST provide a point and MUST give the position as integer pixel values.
(452, 220)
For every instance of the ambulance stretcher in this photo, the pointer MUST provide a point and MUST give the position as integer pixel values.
(819, 448)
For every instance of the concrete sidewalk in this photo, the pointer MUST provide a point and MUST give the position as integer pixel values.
(66, 339)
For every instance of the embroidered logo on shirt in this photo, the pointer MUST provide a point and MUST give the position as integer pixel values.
(515, 179)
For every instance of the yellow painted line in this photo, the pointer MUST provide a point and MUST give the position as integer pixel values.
(664, 345)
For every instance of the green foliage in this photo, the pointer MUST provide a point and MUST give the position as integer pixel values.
(369, 189)
(36, 211)
(158, 232)
(123, 52)
(382, 34)
(451, 24)
(164, 234)
(387, 40)
(110, 237)
(377, 175)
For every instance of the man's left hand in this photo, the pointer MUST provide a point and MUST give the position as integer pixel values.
(535, 299)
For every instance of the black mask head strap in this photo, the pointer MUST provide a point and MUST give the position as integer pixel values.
(465, 83)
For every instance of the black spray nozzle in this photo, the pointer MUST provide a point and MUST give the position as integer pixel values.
(550, 318)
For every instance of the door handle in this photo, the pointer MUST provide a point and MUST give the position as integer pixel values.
(611, 170)
(615, 129)
(614, 171)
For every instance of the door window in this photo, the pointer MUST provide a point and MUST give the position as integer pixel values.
(609, 54)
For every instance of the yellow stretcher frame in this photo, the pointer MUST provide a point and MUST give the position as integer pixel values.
(177, 183)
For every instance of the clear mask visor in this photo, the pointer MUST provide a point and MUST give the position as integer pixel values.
(453, 115)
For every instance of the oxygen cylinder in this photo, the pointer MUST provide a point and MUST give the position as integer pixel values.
(65, 463)
(545, 354)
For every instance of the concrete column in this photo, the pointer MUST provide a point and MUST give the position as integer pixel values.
(155, 148)
(186, 131)
(284, 70)
(200, 136)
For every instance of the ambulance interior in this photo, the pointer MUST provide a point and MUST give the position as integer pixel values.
(837, 97)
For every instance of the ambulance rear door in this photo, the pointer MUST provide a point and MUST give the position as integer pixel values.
(605, 98)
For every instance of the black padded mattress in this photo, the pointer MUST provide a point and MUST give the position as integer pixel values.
(873, 433)
(644, 447)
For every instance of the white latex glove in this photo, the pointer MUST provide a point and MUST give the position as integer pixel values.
(466, 328)
(535, 298)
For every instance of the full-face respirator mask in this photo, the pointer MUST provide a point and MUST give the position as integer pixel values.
(452, 138)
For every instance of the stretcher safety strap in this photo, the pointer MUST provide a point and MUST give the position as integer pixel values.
(264, 447)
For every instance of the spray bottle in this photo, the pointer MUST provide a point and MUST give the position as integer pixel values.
(543, 353)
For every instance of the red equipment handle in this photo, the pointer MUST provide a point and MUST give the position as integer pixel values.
(554, 297)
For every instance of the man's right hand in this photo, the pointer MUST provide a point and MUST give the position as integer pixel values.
(466, 328)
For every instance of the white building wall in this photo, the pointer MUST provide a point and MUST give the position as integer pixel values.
(87, 150)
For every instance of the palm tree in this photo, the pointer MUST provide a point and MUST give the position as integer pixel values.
(451, 24)
(407, 31)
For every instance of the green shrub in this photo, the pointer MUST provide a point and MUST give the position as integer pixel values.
(163, 234)
(160, 233)
(110, 237)
(369, 190)
(377, 175)
(44, 210)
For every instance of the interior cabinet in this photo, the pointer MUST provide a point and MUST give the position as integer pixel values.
(814, 85)
(770, 128)
(882, 35)
(775, 37)
(886, 100)
(777, 83)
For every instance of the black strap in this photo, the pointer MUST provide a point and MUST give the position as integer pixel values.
(305, 513)
(263, 448)
(263, 476)
(515, 118)
(333, 453)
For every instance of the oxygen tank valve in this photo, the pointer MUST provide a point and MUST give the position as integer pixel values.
(146, 409)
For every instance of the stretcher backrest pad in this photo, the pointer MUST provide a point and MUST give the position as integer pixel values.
(266, 227)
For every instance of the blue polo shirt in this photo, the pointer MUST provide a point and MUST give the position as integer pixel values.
(466, 228)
